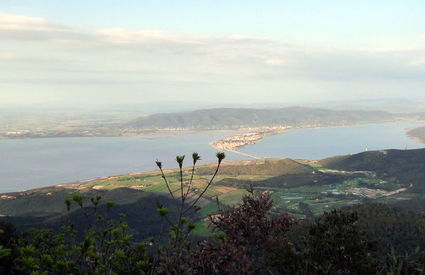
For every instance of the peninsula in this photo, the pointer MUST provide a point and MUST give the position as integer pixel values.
(240, 140)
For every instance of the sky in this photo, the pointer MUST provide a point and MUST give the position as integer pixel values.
(118, 52)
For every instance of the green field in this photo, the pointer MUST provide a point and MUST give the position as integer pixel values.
(297, 198)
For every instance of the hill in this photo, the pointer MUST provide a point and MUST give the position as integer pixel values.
(268, 167)
(313, 179)
(45, 208)
(400, 166)
(230, 118)
(302, 189)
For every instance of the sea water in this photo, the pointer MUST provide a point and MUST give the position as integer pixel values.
(32, 163)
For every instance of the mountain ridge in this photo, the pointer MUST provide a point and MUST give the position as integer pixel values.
(250, 117)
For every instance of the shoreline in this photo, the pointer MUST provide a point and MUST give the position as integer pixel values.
(149, 135)
(167, 133)
(212, 144)
(81, 184)
(264, 132)
(233, 150)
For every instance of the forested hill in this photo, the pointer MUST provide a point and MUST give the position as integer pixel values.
(403, 166)
(244, 117)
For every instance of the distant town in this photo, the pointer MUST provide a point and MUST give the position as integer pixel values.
(233, 142)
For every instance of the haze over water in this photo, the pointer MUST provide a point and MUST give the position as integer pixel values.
(32, 163)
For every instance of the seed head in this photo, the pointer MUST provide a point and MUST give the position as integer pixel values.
(195, 157)
(179, 160)
(220, 156)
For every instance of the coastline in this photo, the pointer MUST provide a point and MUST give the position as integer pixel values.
(264, 132)
(171, 132)
(234, 150)
(225, 144)
(81, 185)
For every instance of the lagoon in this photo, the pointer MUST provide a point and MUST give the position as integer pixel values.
(326, 142)
(33, 163)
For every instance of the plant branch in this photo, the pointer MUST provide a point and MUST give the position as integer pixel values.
(166, 183)
(205, 189)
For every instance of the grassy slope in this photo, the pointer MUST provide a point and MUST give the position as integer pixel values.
(269, 167)
(298, 188)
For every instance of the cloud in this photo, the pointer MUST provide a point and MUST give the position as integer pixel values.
(21, 22)
(35, 51)
(124, 36)
(20, 27)
(26, 28)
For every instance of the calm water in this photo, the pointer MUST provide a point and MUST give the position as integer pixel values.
(327, 142)
(31, 163)
(26, 164)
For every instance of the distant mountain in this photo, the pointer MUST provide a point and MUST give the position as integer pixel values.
(232, 118)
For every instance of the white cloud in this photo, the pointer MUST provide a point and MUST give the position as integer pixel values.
(41, 52)
(21, 22)
(19, 27)
(124, 36)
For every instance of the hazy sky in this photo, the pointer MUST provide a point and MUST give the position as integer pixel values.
(101, 52)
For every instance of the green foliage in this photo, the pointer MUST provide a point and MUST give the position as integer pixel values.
(250, 238)
(399, 166)
(335, 244)
(4, 252)
(107, 247)
(109, 205)
(162, 211)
